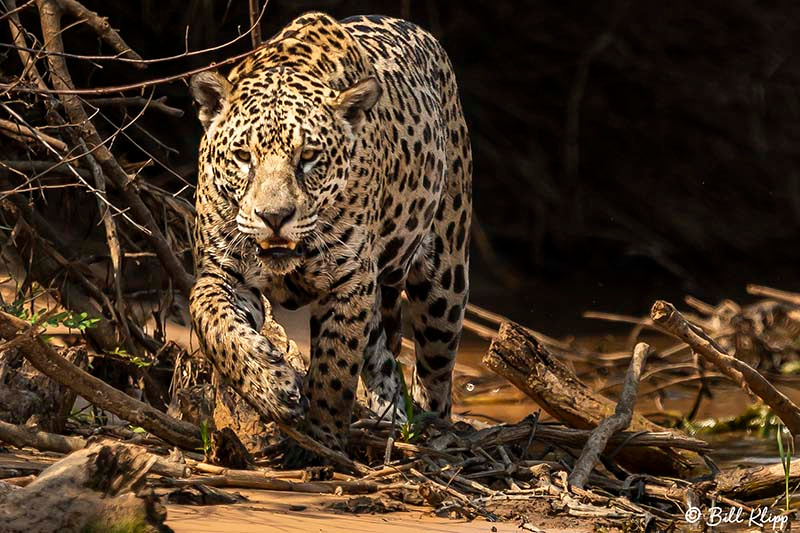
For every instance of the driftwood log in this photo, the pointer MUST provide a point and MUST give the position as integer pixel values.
(21, 436)
(100, 488)
(756, 482)
(516, 355)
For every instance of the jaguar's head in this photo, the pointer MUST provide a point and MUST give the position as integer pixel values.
(279, 145)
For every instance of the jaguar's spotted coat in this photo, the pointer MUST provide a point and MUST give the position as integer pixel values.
(335, 171)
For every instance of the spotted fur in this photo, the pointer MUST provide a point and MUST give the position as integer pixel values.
(348, 140)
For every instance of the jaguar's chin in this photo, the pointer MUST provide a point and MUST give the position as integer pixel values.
(279, 255)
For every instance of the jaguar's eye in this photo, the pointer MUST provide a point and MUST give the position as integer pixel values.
(242, 156)
(308, 155)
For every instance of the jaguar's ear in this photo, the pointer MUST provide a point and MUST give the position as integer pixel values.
(210, 90)
(358, 98)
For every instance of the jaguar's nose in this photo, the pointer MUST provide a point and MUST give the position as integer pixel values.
(276, 219)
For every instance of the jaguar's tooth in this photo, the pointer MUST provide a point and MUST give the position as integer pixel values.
(291, 245)
(264, 245)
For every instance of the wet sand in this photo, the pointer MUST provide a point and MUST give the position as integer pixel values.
(302, 513)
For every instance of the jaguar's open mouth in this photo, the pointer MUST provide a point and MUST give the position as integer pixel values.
(278, 247)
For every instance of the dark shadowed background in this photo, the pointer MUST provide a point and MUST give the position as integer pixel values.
(623, 150)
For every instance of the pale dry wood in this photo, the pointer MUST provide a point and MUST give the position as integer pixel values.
(22, 436)
(21, 481)
(756, 482)
(776, 294)
(253, 479)
(29, 69)
(94, 489)
(576, 438)
(620, 420)
(32, 134)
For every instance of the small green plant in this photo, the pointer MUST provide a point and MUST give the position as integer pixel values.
(84, 415)
(785, 454)
(69, 319)
(132, 359)
(410, 429)
(205, 436)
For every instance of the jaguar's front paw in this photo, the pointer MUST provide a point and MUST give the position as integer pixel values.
(276, 390)
(288, 404)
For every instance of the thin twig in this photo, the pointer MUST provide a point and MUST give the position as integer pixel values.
(255, 26)
(51, 28)
(101, 26)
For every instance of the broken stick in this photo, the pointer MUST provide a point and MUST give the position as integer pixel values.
(665, 315)
(620, 420)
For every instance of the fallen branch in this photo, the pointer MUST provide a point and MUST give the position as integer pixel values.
(620, 420)
(323, 451)
(665, 315)
(22, 436)
(576, 438)
(253, 479)
(96, 391)
(776, 294)
(756, 482)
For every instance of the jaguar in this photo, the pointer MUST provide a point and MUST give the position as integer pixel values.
(334, 172)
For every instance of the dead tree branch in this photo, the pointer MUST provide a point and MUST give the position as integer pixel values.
(21, 436)
(103, 29)
(665, 315)
(50, 16)
(619, 421)
(516, 355)
(777, 294)
(255, 26)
